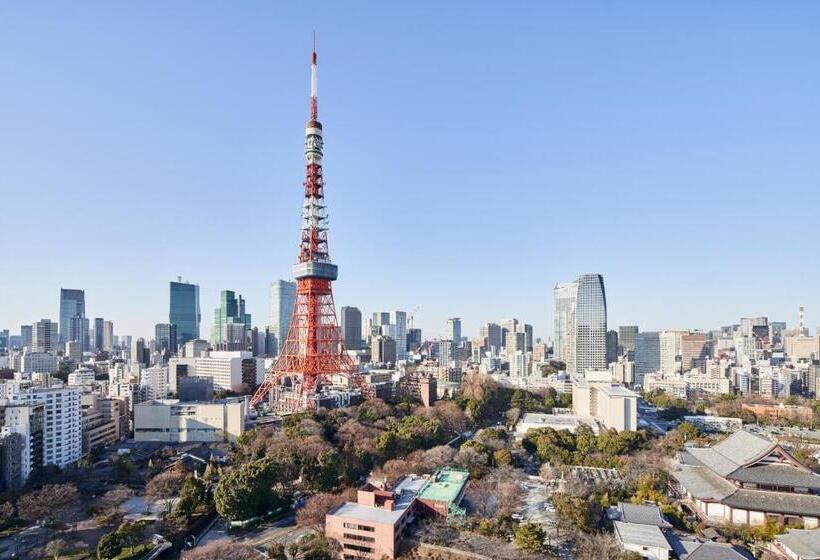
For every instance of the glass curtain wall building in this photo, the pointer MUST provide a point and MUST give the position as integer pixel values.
(282, 300)
(184, 310)
(580, 323)
(72, 304)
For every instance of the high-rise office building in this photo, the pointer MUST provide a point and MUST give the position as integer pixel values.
(282, 300)
(491, 333)
(528, 333)
(564, 297)
(670, 345)
(590, 324)
(647, 354)
(611, 346)
(165, 336)
(138, 353)
(72, 304)
(351, 325)
(99, 334)
(453, 330)
(627, 334)
(694, 351)
(508, 326)
(26, 334)
(80, 332)
(383, 349)
(44, 336)
(184, 310)
(229, 316)
(108, 336)
(413, 339)
(398, 330)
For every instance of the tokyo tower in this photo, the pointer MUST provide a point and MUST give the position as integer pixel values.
(313, 354)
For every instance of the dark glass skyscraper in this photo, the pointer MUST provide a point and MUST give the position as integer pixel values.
(72, 304)
(184, 310)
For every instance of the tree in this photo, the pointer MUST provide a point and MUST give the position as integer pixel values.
(689, 431)
(164, 487)
(276, 551)
(109, 546)
(317, 506)
(577, 511)
(49, 502)
(248, 491)
(6, 512)
(122, 467)
(56, 547)
(502, 457)
(194, 492)
(222, 550)
(130, 534)
(530, 537)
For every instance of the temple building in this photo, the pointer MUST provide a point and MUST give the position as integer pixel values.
(746, 479)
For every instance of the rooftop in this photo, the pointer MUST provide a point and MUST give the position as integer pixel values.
(777, 475)
(644, 535)
(717, 551)
(444, 485)
(405, 491)
(805, 543)
(778, 502)
(642, 514)
(701, 482)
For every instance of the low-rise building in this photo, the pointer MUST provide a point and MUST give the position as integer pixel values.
(798, 544)
(174, 421)
(374, 525)
(715, 424)
(611, 404)
(558, 422)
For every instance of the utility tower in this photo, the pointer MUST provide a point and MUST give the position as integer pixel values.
(313, 352)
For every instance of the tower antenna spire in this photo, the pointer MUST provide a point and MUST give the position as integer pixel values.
(314, 86)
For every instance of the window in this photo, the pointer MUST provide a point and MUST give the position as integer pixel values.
(359, 527)
(363, 538)
(358, 548)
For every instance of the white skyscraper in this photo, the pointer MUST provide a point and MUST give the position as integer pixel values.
(564, 296)
(398, 322)
(580, 323)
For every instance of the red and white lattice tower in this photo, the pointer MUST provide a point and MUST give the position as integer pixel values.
(313, 353)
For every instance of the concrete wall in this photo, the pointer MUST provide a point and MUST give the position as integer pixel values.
(383, 536)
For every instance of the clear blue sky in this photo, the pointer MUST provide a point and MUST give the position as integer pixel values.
(476, 153)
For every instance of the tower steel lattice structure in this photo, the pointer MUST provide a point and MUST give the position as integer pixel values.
(313, 353)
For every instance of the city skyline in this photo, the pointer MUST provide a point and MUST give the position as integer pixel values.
(683, 199)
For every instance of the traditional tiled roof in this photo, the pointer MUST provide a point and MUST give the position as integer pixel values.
(702, 483)
(777, 475)
(775, 502)
(718, 551)
(744, 446)
(805, 543)
(642, 514)
(643, 535)
(737, 450)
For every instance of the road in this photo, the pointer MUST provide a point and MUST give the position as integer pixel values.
(283, 531)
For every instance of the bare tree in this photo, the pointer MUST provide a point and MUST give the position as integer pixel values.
(596, 546)
(314, 511)
(164, 487)
(49, 502)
